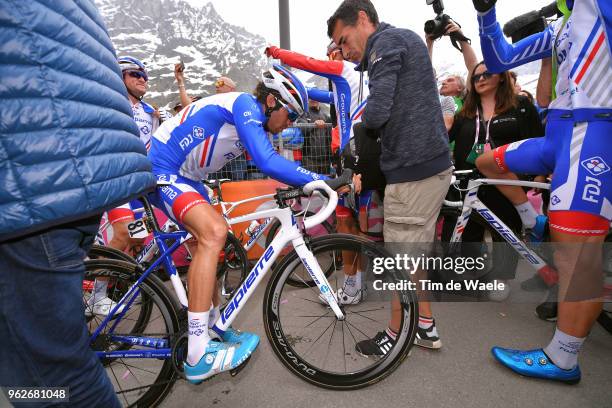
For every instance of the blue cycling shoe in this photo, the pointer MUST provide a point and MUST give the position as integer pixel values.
(220, 357)
(232, 335)
(536, 234)
(535, 363)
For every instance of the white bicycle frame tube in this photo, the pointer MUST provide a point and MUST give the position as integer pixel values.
(289, 232)
(472, 202)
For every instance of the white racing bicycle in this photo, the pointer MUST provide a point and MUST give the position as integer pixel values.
(143, 346)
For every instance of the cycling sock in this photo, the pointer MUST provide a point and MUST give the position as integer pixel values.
(352, 283)
(198, 336)
(392, 335)
(527, 213)
(427, 323)
(99, 291)
(563, 350)
(214, 315)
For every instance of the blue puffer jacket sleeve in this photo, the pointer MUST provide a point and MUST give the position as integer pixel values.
(68, 145)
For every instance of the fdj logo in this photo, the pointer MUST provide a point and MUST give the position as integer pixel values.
(198, 132)
(596, 166)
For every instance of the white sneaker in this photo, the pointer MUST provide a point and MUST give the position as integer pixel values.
(346, 299)
(102, 306)
(500, 295)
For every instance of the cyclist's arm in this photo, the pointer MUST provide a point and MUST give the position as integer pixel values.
(320, 95)
(544, 89)
(297, 60)
(249, 125)
(499, 55)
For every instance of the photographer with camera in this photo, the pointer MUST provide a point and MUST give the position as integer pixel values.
(454, 85)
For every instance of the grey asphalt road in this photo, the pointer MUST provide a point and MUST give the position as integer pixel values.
(461, 374)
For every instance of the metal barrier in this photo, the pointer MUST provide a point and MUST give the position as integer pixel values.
(304, 143)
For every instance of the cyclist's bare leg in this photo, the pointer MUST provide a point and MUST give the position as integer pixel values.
(210, 231)
(347, 225)
(579, 262)
(192, 244)
(486, 165)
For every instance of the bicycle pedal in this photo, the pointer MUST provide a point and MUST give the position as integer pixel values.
(235, 371)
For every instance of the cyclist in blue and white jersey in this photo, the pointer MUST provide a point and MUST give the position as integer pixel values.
(349, 95)
(200, 140)
(136, 79)
(576, 149)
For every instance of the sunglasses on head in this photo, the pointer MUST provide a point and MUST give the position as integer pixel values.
(219, 83)
(484, 75)
(138, 74)
(293, 115)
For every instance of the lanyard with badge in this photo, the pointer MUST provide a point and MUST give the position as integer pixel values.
(479, 148)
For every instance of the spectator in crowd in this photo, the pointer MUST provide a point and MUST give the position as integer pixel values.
(515, 85)
(78, 155)
(185, 99)
(527, 95)
(493, 115)
(316, 155)
(224, 84)
(454, 85)
(404, 105)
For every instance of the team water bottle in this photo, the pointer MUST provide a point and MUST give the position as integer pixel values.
(251, 229)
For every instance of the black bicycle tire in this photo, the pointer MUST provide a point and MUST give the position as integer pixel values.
(290, 359)
(101, 251)
(272, 232)
(155, 288)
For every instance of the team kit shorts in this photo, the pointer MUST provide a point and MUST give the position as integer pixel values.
(578, 154)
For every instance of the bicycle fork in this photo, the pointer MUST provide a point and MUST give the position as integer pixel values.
(314, 270)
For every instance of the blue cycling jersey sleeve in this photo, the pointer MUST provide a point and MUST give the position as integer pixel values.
(248, 120)
(320, 95)
(499, 55)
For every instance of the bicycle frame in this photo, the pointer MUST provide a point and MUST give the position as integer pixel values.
(472, 202)
(289, 232)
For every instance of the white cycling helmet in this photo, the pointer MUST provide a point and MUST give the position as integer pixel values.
(290, 88)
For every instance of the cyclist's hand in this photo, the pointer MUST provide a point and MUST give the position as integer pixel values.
(319, 123)
(539, 179)
(483, 5)
(271, 51)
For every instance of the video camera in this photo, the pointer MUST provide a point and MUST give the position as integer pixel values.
(530, 23)
(437, 27)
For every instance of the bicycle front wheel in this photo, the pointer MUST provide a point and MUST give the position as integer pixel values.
(307, 336)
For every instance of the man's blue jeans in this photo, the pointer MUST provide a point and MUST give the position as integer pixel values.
(43, 337)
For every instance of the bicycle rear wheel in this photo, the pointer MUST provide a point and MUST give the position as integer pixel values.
(308, 338)
(150, 325)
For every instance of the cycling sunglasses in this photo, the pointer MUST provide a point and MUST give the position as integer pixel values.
(484, 75)
(138, 74)
(219, 83)
(293, 115)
